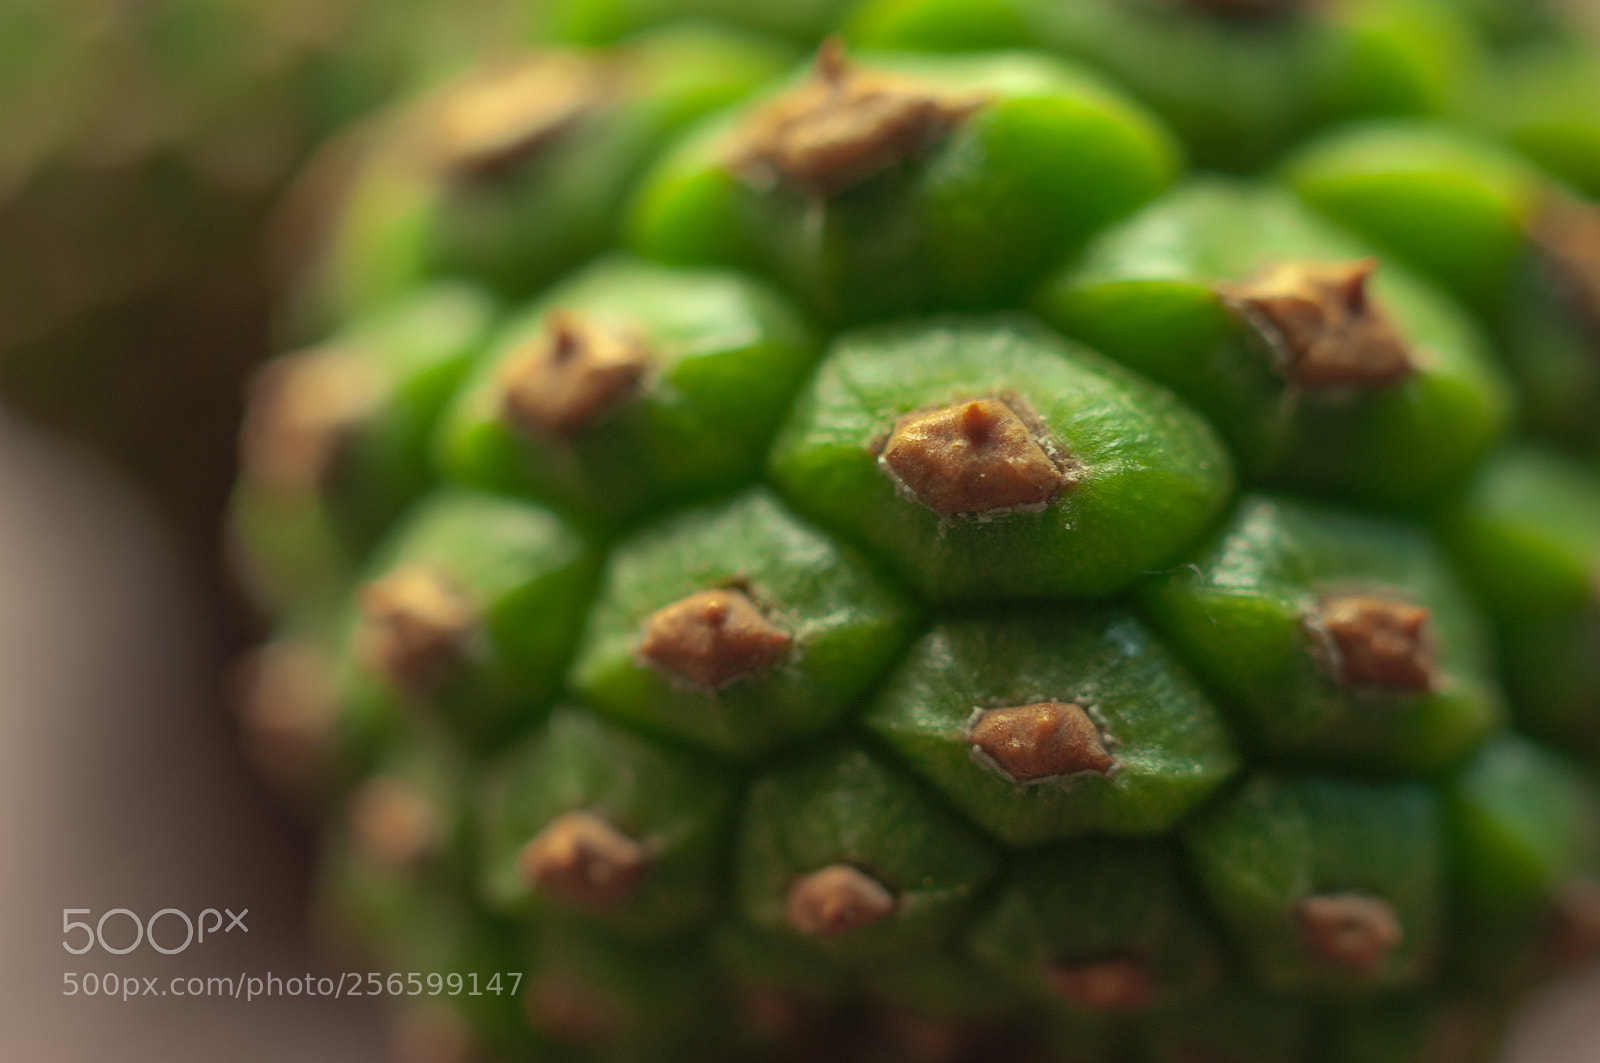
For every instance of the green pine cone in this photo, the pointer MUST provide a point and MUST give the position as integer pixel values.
(877, 561)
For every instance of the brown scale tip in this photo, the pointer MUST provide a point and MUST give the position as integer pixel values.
(1325, 329)
(975, 457)
(582, 859)
(394, 825)
(1567, 236)
(835, 900)
(713, 638)
(415, 627)
(1350, 930)
(303, 411)
(1044, 740)
(842, 126)
(287, 705)
(567, 1011)
(1575, 923)
(572, 375)
(501, 118)
(1374, 642)
(1115, 984)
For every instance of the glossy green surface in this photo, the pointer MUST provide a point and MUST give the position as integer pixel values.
(1049, 156)
(1090, 901)
(673, 804)
(1449, 205)
(600, 21)
(1146, 293)
(1527, 538)
(1525, 826)
(1237, 90)
(847, 623)
(527, 575)
(1540, 100)
(1553, 352)
(1170, 745)
(844, 805)
(727, 355)
(1279, 841)
(599, 999)
(400, 221)
(1154, 474)
(1462, 209)
(1238, 615)
(940, 25)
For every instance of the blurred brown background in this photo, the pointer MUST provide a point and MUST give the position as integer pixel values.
(121, 786)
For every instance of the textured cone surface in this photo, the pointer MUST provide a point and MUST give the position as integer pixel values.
(842, 126)
(875, 561)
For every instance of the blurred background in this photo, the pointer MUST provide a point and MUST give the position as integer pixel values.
(149, 206)
(146, 151)
(145, 148)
